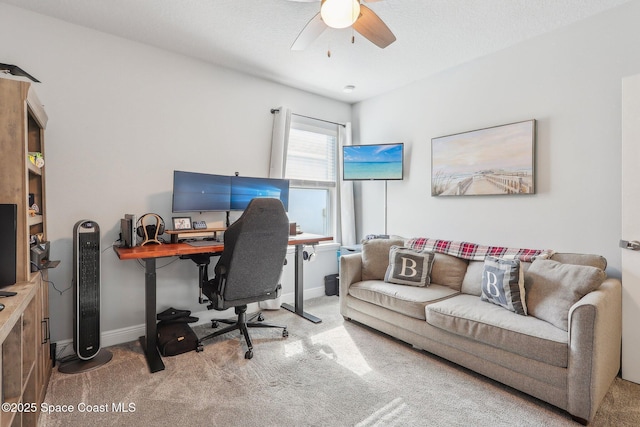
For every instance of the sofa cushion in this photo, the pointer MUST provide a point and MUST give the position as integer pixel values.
(407, 300)
(409, 267)
(490, 324)
(597, 261)
(448, 271)
(375, 257)
(503, 284)
(472, 282)
(553, 287)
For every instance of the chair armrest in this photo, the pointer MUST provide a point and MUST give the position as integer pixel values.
(350, 272)
(595, 336)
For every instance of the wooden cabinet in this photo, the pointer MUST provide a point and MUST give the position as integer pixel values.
(26, 367)
(22, 124)
(25, 359)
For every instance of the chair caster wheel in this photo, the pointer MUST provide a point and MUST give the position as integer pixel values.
(214, 324)
(199, 348)
(285, 333)
(248, 354)
(260, 318)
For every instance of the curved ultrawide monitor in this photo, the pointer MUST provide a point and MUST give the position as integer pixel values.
(201, 192)
(243, 189)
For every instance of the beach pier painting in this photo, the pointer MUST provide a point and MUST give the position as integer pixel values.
(498, 160)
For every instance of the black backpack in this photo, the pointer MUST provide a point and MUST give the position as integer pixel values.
(175, 336)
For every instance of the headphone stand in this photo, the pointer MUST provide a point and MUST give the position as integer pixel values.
(150, 232)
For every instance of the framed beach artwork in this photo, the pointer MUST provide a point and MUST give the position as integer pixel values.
(499, 160)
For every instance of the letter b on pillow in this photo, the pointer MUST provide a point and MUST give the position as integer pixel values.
(503, 284)
(409, 267)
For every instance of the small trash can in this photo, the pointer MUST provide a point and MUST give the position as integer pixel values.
(332, 285)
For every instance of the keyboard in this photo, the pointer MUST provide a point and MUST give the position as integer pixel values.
(202, 243)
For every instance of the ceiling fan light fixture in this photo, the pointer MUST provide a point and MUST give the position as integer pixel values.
(340, 13)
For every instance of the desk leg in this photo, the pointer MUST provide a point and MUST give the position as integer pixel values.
(149, 342)
(299, 289)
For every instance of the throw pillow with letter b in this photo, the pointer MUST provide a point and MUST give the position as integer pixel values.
(409, 267)
(503, 284)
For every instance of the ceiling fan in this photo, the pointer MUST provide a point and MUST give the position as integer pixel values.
(342, 14)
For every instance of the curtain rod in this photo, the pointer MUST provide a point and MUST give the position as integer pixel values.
(277, 110)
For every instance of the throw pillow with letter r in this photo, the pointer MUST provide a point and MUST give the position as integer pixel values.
(409, 267)
(503, 284)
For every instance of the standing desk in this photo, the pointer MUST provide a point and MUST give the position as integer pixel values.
(150, 253)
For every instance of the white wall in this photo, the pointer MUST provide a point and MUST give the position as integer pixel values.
(123, 116)
(570, 82)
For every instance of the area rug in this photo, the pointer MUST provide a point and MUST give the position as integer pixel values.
(335, 373)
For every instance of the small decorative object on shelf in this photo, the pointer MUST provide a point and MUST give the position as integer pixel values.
(182, 223)
(36, 158)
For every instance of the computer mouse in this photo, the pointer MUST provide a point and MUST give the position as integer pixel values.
(1, 307)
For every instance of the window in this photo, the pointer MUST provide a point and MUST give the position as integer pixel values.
(311, 168)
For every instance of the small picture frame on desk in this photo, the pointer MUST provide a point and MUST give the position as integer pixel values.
(181, 223)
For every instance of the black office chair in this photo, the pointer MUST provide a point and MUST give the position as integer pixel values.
(250, 267)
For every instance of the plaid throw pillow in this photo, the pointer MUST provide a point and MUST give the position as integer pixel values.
(409, 267)
(503, 284)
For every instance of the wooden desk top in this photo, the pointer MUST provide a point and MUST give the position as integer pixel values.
(308, 239)
(166, 250)
(177, 249)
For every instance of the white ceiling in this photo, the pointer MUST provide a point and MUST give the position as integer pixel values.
(254, 36)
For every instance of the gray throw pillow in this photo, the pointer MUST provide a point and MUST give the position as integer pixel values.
(448, 270)
(375, 257)
(553, 287)
(503, 284)
(409, 267)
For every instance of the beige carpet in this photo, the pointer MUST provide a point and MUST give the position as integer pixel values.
(335, 373)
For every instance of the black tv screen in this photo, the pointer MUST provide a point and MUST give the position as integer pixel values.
(243, 189)
(201, 192)
(373, 162)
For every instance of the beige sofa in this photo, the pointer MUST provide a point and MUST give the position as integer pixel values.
(569, 359)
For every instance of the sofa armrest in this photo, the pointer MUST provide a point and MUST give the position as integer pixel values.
(595, 336)
(350, 272)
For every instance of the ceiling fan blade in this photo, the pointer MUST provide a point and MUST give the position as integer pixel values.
(370, 26)
(311, 1)
(309, 33)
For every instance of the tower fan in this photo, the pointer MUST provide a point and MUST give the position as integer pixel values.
(86, 300)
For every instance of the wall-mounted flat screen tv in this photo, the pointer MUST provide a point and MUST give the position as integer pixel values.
(244, 188)
(201, 192)
(373, 162)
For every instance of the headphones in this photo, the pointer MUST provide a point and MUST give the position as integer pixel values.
(309, 256)
(149, 227)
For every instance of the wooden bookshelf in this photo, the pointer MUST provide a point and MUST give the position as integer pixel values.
(25, 358)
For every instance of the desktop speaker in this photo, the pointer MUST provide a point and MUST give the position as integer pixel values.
(8, 249)
(86, 301)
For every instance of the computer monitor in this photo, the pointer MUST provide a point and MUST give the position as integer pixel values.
(201, 192)
(243, 189)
